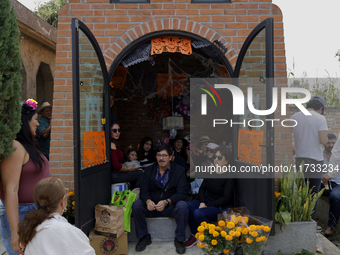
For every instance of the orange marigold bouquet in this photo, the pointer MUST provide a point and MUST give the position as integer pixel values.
(246, 232)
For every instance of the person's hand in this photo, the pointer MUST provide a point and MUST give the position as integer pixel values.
(132, 168)
(150, 205)
(15, 242)
(161, 205)
(325, 179)
(202, 205)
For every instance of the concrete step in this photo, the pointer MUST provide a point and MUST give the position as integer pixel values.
(160, 229)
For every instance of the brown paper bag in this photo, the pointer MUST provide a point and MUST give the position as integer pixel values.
(109, 221)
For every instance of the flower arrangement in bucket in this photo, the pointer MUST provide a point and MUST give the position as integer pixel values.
(69, 214)
(237, 232)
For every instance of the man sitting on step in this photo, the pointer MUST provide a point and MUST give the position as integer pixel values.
(333, 188)
(162, 194)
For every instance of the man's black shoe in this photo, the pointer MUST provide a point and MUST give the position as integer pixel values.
(143, 242)
(180, 248)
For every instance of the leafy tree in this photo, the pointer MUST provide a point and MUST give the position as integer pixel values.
(10, 78)
(49, 11)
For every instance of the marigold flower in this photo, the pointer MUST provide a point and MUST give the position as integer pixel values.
(215, 234)
(211, 231)
(73, 203)
(221, 223)
(225, 251)
(239, 229)
(197, 234)
(277, 194)
(223, 233)
(245, 231)
(253, 228)
(258, 239)
(213, 242)
(264, 238)
(218, 228)
(261, 227)
(70, 194)
(232, 232)
(245, 219)
(212, 226)
(200, 229)
(231, 225)
(237, 233)
(248, 240)
(228, 238)
(203, 224)
(254, 233)
(266, 229)
(73, 208)
(239, 218)
(233, 218)
(210, 249)
(201, 238)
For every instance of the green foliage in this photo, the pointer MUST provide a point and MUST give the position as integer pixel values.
(294, 201)
(49, 11)
(325, 87)
(338, 55)
(10, 78)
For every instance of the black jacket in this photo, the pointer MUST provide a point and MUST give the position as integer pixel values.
(175, 188)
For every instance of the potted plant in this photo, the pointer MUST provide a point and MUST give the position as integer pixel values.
(294, 204)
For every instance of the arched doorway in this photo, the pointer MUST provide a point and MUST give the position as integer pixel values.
(151, 86)
(44, 84)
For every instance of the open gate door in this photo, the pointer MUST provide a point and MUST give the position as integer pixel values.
(90, 126)
(254, 146)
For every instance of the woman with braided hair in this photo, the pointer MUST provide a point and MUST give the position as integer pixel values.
(45, 230)
(19, 173)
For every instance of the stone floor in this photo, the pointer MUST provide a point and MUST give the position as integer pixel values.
(168, 248)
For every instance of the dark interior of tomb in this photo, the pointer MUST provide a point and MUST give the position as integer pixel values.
(136, 98)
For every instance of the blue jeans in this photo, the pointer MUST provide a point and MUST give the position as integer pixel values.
(5, 230)
(334, 202)
(198, 215)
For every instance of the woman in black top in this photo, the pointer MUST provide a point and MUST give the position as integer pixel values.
(146, 152)
(215, 195)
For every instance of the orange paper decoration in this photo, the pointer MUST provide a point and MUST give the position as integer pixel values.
(119, 77)
(171, 44)
(94, 148)
(249, 149)
(165, 89)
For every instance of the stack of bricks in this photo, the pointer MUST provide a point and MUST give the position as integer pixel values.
(115, 26)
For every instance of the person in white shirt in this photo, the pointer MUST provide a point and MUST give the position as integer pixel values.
(45, 231)
(309, 134)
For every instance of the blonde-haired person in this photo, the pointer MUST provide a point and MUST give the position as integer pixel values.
(45, 231)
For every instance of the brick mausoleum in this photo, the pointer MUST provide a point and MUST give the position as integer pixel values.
(118, 25)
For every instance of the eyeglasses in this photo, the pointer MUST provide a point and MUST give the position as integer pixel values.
(115, 130)
(218, 157)
(210, 150)
(161, 155)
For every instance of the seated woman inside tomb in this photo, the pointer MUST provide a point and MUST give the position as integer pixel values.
(215, 195)
(146, 152)
(131, 158)
(121, 173)
(180, 144)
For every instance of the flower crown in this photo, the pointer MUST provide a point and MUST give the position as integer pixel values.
(31, 102)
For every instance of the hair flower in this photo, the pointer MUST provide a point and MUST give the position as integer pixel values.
(31, 102)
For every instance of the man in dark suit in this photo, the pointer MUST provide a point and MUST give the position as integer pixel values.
(162, 194)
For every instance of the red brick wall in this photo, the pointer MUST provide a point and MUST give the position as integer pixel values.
(117, 25)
